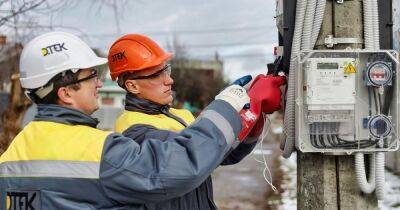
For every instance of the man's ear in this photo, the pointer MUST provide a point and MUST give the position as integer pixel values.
(64, 96)
(132, 86)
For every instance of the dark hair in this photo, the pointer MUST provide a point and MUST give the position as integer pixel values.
(58, 81)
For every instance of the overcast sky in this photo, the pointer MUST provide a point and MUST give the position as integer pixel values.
(243, 32)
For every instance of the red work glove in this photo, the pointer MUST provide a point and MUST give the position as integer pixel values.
(265, 97)
(265, 92)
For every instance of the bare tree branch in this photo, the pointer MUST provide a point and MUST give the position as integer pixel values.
(32, 9)
(2, 2)
(22, 9)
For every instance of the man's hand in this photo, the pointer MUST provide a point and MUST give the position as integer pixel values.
(265, 92)
(235, 95)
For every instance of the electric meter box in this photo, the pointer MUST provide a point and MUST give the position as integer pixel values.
(347, 101)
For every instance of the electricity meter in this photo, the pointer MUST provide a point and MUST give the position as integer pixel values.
(340, 105)
(379, 126)
(379, 73)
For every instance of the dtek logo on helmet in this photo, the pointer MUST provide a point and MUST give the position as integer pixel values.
(118, 56)
(53, 48)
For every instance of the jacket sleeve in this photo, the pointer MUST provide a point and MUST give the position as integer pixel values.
(240, 152)
(142, 132)
(158, 170)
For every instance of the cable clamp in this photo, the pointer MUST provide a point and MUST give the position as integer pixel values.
(330, 41)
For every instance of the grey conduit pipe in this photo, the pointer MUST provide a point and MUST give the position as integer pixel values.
(380, 175)
(368, 25)
(319, 16)
(287, 145)
(308, 25)
(365, 186)
(375, 23)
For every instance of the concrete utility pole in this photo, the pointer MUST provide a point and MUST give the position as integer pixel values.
(323, 181)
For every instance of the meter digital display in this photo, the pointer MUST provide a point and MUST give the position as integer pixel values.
(379, 73)
(327, 66)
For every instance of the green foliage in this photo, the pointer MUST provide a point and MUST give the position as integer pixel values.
(196, 86)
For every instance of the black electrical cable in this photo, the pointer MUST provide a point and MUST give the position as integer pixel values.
(369, 102)
(357, 144)
(328, 137)
(316, 141)
(335, 140)
(312, 137)
(347, 141)
(277, 66)
(376, 100)
(340, 140)
(319, 140)
(388, 99)
(352, 144)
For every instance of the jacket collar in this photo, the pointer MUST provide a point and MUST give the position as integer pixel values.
(135, 104)
(64, 115)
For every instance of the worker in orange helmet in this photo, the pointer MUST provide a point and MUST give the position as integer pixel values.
(141, 67)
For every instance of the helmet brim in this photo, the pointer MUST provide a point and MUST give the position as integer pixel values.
(98, 61)
(35, 81)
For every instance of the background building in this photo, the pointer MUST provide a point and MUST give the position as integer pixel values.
(196, 82)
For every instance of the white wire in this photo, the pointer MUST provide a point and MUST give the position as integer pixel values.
(266, 170)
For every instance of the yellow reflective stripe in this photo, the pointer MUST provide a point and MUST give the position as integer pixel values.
(160, 121)
(43, 140)
(50, 168)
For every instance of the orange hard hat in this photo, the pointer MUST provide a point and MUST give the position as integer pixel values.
(134, 52)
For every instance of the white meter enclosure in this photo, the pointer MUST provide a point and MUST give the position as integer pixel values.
(347, 101)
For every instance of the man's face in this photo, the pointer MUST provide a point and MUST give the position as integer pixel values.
(85, 99)
(158, 88)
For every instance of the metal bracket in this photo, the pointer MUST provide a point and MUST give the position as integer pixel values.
(330, 41)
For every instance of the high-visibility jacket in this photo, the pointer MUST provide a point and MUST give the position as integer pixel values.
(60, 161)
(159, 121)
(137, 120)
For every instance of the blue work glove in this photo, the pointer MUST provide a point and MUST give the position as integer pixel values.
(242, 81)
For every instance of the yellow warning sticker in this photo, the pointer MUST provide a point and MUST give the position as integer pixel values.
(350, 69)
